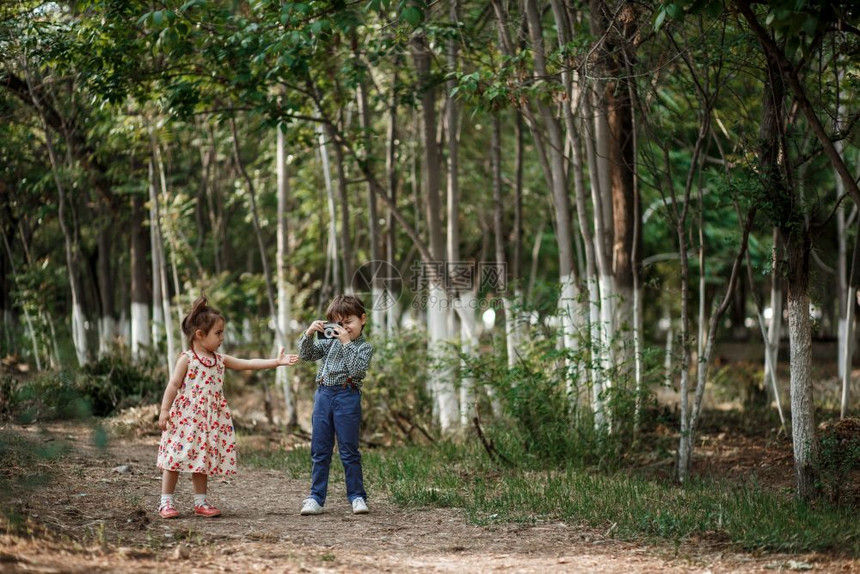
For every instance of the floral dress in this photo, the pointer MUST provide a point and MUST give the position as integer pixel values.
(200, 436)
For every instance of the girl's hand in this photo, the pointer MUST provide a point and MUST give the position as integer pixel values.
(164, 420)
(287, 360)
(315, 326)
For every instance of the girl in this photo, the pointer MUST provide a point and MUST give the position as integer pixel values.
(197, 426)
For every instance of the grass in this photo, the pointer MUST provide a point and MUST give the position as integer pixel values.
(748, 517)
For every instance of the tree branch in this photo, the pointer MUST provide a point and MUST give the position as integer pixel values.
(790, 76)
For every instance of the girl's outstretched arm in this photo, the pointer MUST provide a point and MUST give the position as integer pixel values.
(236, 364)
(172, 388)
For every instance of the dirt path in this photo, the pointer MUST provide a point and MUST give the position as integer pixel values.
(104, 520)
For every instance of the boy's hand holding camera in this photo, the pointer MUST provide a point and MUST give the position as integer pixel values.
(329, 331)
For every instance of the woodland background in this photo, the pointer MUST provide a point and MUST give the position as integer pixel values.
(556, 211)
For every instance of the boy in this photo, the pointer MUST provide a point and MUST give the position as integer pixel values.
(337, 401)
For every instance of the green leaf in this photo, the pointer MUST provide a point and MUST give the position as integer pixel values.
(713, 9)
(142, 20)
(191, 4)
(661, 16)
(412, 15)
(675, 11)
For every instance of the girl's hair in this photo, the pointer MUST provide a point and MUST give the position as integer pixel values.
(344, 306)
(202, 317)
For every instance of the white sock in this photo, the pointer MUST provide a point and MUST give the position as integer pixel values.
(199, 499)
(166, 499)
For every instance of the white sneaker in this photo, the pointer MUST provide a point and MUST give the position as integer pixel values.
(359, 506)
(311, 506)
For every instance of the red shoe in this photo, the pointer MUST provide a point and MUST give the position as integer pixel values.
(167, 511)
(206, 510)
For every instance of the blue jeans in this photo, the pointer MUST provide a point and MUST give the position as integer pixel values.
(337, 413)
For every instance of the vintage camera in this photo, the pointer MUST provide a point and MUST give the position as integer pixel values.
(330, 331)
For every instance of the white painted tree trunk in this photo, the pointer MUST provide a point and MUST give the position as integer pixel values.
(602, 335)
(393, 310)
(774, 330)
(78, 328)
(139, 332)
(769, 359)
(54, 356)
(848, 353)
(107, 333)
(445, 396)
(166, 229)
(282, 379)
(668, 375)
(554, 164)
(513, 327)
(845, 346)
(440, 370)
(157, 322)
(332, 212)
(469, 348)
(159, 275)
(79, 334)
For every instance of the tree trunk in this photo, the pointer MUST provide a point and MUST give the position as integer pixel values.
(499, 235)
(614, 129)
(331, 252)
(393, 315)
(215, 203)
(378, 299)
(79, 335)
(556, 176)
(267, 274)
(602, 301)
(800, 335)
(107, 324)
(155, 254)
(282, 379)
(591, 310)
(140, 333)
(769, 356)
(437, 319)
(160, 268)
(467, 322)
(847, 283)
(848, 353)
(774, 330)
(345, 234)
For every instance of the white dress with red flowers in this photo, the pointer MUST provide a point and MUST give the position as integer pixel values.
(200, 436)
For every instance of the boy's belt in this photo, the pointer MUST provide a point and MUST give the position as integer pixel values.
(348, 384)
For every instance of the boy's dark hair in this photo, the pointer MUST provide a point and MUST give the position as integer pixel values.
(344, 306)
(202, 317)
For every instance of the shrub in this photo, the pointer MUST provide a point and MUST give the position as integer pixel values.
(100, 388)
(396, 401)
(544, 423)
(840, 459)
